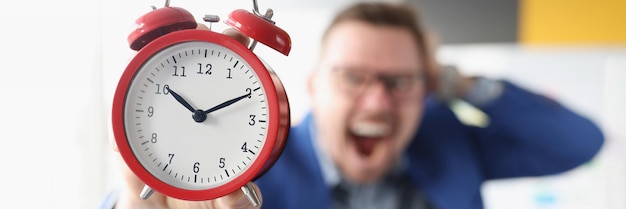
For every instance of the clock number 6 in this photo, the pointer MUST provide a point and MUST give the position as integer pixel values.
(196, 167)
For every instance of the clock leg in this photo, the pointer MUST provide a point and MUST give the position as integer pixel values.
(146, 192)
(251, 194)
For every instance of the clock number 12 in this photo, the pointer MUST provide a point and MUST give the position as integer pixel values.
(206, 70)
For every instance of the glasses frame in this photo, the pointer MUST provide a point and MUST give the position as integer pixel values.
(400, 86)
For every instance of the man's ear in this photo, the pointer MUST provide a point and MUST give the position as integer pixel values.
(433, 68)
(310, 81)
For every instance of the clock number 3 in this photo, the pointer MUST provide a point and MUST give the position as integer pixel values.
(252, 121)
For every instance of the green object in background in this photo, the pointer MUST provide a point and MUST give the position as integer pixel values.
(468, 114)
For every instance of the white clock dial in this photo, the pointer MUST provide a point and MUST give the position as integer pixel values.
(187, 151)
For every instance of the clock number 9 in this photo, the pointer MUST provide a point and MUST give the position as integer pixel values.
(150, 111)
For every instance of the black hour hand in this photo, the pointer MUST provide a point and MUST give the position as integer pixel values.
(181, 100)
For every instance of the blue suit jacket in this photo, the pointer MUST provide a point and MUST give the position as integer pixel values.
(528, 135)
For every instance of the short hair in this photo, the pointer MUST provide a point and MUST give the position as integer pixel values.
(403, 15)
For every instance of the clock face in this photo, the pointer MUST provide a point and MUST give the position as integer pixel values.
(196, 116)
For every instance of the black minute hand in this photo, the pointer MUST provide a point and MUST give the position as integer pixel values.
(180, 99)
(226, 103)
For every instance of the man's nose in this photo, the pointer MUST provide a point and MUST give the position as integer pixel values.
(376, 97)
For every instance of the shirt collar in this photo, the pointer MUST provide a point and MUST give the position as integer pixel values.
(329, 169)
(331, 174)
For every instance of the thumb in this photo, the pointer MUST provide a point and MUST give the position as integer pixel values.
(231, 32)
(237, 36)
(239, 200)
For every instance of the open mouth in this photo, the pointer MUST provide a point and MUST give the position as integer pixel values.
(367, 135)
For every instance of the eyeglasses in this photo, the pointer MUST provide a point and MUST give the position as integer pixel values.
(400, 86)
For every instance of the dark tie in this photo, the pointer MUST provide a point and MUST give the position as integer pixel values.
(399, 188)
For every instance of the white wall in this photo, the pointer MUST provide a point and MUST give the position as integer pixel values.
(51, 112)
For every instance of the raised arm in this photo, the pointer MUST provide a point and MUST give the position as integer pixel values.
(531, 135)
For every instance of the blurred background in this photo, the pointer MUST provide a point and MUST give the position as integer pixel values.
(61, 61)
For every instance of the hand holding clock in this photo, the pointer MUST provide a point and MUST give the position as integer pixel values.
(128, 197)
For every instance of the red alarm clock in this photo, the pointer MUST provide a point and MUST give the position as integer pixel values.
(196, 114)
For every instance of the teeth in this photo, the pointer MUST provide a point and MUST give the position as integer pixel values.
(370, 129)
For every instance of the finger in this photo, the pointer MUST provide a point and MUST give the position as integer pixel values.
(237, 36)
(113, 144)
(229, 32)
(235, 200)
(130, 194)
(202, 27)
(238, 200)
(133, 185)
